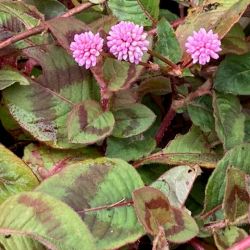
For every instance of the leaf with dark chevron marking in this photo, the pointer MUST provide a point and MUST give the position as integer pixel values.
(42, 108)
(239, 158)
(100, 191)
(41, 218)
(236, 200)
(154, 210)
(87, 123)
(132, 120)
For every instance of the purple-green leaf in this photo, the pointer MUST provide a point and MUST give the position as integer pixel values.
(236, 200)
(43, 219)
(100, 192)
(87, 123)
(42, 158)
(132, 120)
(43, 107)
(154, 210)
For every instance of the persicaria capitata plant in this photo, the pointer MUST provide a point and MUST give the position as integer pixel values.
(124, 124)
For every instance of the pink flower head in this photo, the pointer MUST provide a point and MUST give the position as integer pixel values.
(86, 47)
(203, 45)
(127, 41)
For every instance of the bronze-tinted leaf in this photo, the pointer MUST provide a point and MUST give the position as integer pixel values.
(236, 200)
(154, 210)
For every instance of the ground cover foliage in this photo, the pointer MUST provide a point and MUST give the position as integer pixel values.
(146, 149)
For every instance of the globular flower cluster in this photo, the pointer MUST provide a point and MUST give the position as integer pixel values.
(126, 41)
(203, 45)
(86, 48)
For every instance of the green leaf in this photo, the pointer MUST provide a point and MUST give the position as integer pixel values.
(50, 8)
(132, 120)
(153, 210)
(201, 113)
(177, 183)
(236, 70)
(9, 77)
(236, 199)
(225, 238)
(42, 108)
(44, 219)
(100, 191)
(239, 158)
(41, 158)
(167, 44)
(15, 175)
(190, 148)
(87, 123)
(158, 85)
(235, 42)
(141, 12)
(219, 16)
(130, 149)
(229, 120)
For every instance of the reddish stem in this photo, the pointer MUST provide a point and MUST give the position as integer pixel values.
(177, 22)
(162, 58)
(176, 104)
(120, 203)
(55, 169)
(196, 244)
(43, 26)
(242, 245)
(105, 100)
(165, 124)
